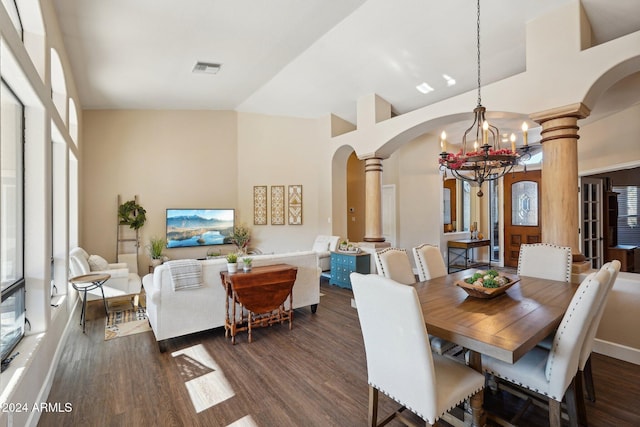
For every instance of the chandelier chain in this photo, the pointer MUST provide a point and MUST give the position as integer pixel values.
(478, 48)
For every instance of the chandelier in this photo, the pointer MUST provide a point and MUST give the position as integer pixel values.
(486, 160)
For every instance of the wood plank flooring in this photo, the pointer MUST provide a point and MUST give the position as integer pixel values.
(313, 375)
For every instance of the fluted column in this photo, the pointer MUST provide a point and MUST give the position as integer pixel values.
(373, 200)
(559, 197)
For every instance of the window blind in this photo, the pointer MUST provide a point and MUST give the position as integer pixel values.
(628, 229)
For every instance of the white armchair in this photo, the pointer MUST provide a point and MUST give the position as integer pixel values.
(323, 245)
(123, 282)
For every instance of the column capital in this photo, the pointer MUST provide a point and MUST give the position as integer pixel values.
(561, 123)
(577, 110)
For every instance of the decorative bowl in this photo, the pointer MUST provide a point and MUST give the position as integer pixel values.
(479, 291)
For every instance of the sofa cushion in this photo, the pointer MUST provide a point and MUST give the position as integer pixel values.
(97, 263)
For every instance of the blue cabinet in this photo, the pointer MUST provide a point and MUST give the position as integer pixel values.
(344, 263)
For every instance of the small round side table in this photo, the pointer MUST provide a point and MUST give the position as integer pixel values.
(89, 282)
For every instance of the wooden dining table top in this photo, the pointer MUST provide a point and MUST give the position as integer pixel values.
(504, 327)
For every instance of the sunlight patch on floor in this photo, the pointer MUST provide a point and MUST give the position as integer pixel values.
(205, 382)
(245, 421)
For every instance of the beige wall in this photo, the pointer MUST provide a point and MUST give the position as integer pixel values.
(170, 159)
(282, 151)
(610, 142)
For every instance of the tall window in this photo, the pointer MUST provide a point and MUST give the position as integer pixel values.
(12, 9)
(628, 229)
(11, 189)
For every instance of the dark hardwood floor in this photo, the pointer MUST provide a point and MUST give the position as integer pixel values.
(313, 375)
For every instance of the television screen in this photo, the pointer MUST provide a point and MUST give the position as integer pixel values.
(199, 227)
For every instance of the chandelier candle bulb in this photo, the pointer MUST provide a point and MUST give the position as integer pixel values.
(525, 128)
(443, 141)
(513, 142)
(485, 133)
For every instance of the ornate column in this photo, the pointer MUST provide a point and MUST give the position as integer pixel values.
(373, 200)
(559, 196)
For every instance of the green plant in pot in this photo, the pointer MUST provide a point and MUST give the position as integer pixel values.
(232, 263)
(241, 237)
(213, 253)
(156, 247)
(247, 261)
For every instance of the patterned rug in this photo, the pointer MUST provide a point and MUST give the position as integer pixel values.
(126, 322)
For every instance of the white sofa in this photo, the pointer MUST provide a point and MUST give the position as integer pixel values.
(175, 313)
(323, 245)
(124, 279)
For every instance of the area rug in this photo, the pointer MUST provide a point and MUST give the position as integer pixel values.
(125, 322)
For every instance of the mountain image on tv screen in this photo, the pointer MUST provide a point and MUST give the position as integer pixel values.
(199, 227)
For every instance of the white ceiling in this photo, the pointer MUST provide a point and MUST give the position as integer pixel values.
(303, 58)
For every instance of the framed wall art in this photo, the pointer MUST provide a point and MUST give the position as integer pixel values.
(295, 204)
(277, 205)
(260, 205)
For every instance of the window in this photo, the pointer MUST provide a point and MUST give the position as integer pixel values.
(12, 10)
(524, 203)
(628, 230)
(11, 188)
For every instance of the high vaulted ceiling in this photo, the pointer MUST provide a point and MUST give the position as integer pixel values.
(301, 58)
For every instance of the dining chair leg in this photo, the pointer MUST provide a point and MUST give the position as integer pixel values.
(554, 413)
(373, 406)
(579, 392)
(571, 397)
(588, 381)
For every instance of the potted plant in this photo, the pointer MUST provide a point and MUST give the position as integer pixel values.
(232, 263)
(241, 237)
(156, 246)
(247, 263)
(211, 254)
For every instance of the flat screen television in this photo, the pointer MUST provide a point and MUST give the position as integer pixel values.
(199, 227)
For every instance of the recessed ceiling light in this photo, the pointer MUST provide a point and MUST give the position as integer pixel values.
(424, 88)
(449, 79)
(206, 67)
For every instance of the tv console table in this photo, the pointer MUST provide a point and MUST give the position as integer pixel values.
(262, 293)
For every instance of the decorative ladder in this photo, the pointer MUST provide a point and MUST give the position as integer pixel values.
(125, 240)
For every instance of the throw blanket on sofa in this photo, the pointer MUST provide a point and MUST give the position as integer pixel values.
(185, 274)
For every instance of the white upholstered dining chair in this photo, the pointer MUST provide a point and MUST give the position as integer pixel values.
(584, 363)
(429, 262)
(550, 374)
(399, 359)
(394, 264)
(430, 266)
(545, 261)
(584, 366)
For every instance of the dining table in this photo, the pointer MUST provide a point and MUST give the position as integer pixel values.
(505, 326)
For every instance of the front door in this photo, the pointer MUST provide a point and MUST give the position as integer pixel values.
(521, 213)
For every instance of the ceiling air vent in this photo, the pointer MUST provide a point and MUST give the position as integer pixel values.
(206, 67)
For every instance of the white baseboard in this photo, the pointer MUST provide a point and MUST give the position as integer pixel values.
(617, 351)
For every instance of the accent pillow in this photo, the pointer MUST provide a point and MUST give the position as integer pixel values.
(97, 263)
